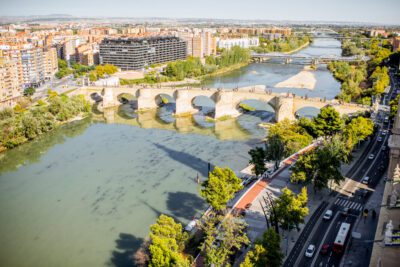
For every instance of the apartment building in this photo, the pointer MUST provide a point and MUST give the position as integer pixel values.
(33, 66)
(199, 44)
(10, 88)
(137, 53)
(50, 62)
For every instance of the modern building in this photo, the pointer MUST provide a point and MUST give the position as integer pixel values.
(137, 53)
(242, 42)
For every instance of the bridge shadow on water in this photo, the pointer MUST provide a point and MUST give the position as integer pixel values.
(126, 247)
(189, 160)
(185, 205)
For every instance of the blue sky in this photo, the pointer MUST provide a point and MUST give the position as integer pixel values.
(378, 11)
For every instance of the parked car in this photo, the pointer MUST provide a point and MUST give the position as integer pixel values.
(365, 180)
(328, 215)
(371, 156)
(379, 139)
(310, 251)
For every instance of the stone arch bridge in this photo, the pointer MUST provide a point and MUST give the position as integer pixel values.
(226, 101)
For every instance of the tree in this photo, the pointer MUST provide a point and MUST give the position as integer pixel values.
(285, 138)
(258, 155)
(29, 91)
(328, 121)
(322, 165)
(290, 209)
(219, 244)
(275, 149)
(357, 130)
(167, 241)
(304, 168)
(266, 252)
(220, 187)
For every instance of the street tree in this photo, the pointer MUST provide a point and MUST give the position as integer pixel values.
(290, 209)
(220, 187)
(275, 149)
(258, 156)
(328, 122)
(167, 242)
(266, 252)
(304, 168)
(293, 136)
(220, 243)
(357, 130)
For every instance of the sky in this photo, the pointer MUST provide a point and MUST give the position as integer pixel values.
(375, 11)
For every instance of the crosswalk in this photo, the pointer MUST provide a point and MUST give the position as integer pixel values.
(349, 204)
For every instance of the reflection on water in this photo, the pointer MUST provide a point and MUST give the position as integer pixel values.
(242, 128)
(86, 193)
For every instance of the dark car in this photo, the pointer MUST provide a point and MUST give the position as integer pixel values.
(325, 249)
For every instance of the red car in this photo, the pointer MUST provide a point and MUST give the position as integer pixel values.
(325, 249)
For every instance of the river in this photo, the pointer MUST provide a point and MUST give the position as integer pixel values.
(86, 193)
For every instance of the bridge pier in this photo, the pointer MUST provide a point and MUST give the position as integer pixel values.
(184, 103)
(284, 109)
(108, 98)
(146, 99)
(224, 105)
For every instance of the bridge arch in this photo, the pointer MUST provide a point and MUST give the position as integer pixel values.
(125, 98)
(307, 112)
(163, 99)
(204, 104)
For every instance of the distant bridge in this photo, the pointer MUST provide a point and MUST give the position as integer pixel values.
(260, 57)
(226, 102)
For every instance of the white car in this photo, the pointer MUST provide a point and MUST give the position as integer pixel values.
(384, 132)
(365, 180)
(310, 251)
(372, 156)
(328, 215)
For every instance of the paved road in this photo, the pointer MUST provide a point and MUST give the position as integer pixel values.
(326, 231)
(373, 168)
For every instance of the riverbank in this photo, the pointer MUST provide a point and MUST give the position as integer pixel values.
(305, 79)
(298, 48)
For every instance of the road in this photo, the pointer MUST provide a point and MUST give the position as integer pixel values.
(375, 169)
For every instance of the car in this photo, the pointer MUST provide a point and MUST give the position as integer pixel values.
(384, 132)
(328, 215)
(325, 249)
(379, 139)
(371, 156)
(310, 251)
(365, 180)
(383, 148)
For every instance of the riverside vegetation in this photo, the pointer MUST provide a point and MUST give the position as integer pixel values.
(361, 81)
(286, 44)
(25, 122)
(193, 68)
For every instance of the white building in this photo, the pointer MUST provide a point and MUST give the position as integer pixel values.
(242, 42)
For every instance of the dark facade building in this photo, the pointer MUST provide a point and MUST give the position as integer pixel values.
(137, 53)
